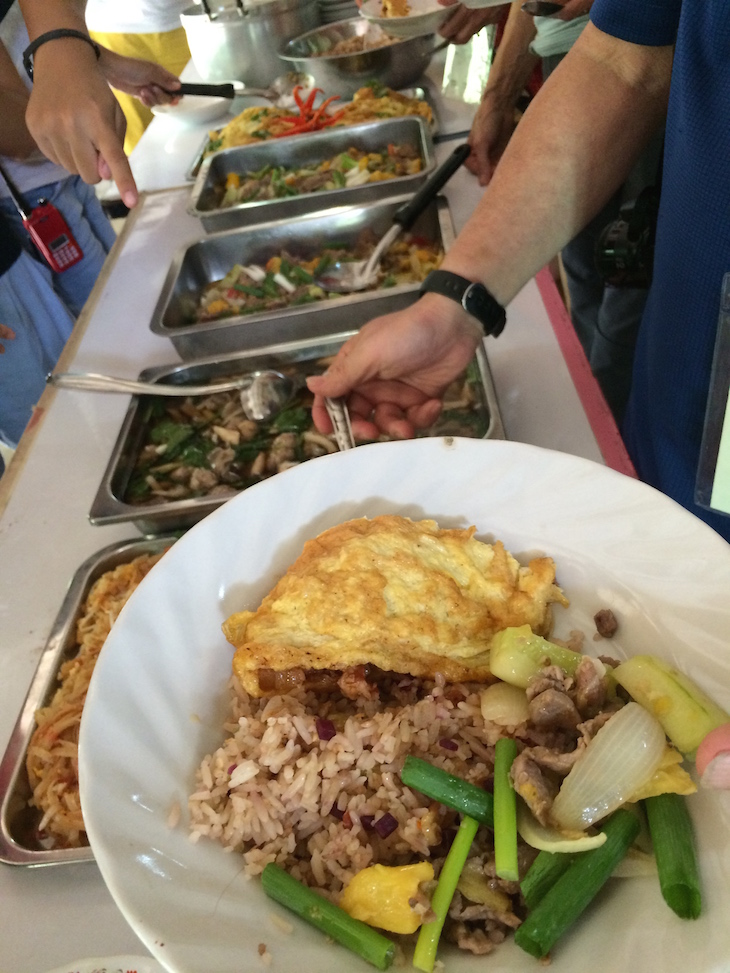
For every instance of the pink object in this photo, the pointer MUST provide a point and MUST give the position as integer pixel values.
(713, 759)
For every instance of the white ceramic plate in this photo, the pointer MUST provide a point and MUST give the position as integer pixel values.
(157, 697)
(111, 964)
(425, 17)
(194, 109)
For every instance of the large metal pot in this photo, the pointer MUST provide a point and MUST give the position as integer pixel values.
(242, 43)
(397, 65)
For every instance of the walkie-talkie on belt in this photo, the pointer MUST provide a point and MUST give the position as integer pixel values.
(47, 229)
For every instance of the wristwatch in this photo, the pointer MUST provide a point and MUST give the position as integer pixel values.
(473, 297)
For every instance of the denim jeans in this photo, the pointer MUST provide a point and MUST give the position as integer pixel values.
(87, 221)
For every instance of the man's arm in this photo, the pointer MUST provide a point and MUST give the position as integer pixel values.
(572, 149)
(494, 121)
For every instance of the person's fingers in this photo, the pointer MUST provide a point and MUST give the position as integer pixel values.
(103, 168)
(425, 414)
(478, 161)
(392, 421)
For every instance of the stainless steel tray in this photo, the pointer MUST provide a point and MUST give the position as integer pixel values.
(19, 841)
(211, 258)
(300, 152)
(109, 507)
(422, 94)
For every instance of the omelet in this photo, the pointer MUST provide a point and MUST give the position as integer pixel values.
(404, 596)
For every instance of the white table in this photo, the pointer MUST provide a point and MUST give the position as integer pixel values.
(55, 914)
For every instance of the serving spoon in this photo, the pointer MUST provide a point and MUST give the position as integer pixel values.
(263, 393)
(280, 92)
(346, 276)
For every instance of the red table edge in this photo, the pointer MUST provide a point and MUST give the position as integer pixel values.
(600, 417)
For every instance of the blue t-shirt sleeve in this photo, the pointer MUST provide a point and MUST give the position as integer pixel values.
(650, 22)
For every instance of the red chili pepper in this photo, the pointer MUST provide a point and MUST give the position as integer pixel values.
(309, 103)
(323, 107)
(298, 97)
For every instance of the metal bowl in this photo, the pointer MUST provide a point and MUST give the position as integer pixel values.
(396, 65)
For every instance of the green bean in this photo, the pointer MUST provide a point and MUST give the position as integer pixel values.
(327, 917)
(505, 812)
(577, 887)
(672, 835)
(452, 791)
(542, 875)
(424, 955)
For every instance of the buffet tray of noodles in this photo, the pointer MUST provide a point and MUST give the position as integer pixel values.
(178, 459)
(40, 814)
(257, 286)
(256, 183)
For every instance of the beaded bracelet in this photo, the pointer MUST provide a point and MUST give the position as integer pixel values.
(53, 35)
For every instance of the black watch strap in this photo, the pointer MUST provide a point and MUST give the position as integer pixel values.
(473, 297)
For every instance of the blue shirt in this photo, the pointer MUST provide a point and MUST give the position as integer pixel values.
(665, 416)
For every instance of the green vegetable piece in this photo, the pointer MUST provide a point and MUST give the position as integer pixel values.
(338, 178)
(323, 264)
(346, 162)
(300, 275)
(449, 790)
(542, 875)
(294, 419)
(516, 655)
(685, 712)
(251, 291)
(270, 287)
(673, 838)
(505, 812)
(170, 434)
(327, 917)
(424, 955)
(577, 887)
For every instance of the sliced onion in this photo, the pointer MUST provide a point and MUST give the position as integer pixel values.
(504, 704)
(621, 757)
(550, 839)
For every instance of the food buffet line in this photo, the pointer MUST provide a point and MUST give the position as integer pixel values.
(543, 394)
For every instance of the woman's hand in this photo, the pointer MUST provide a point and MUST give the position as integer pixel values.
(149, 82)
(395, 370)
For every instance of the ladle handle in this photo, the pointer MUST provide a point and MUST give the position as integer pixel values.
(407, 215)
(93, 382)
(212, 90)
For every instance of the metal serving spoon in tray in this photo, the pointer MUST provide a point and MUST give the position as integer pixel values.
(263, 393)
(346, 276)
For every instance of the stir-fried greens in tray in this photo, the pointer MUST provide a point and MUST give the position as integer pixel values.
(204, 446)
(346, 170)
(410, 759)
(287, 280)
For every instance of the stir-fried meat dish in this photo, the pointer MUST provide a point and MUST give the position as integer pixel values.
(204, 446)
(288, 281)
(343, 171)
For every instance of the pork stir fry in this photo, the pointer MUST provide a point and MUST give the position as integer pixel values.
(206, 447)
(289, 281)
(343, 171)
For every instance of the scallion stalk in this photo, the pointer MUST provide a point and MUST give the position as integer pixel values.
(424, 955)
(577, 887)
(542, 875)
(505, 812)
(672, 835)
(327, 917)
(453, 792)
